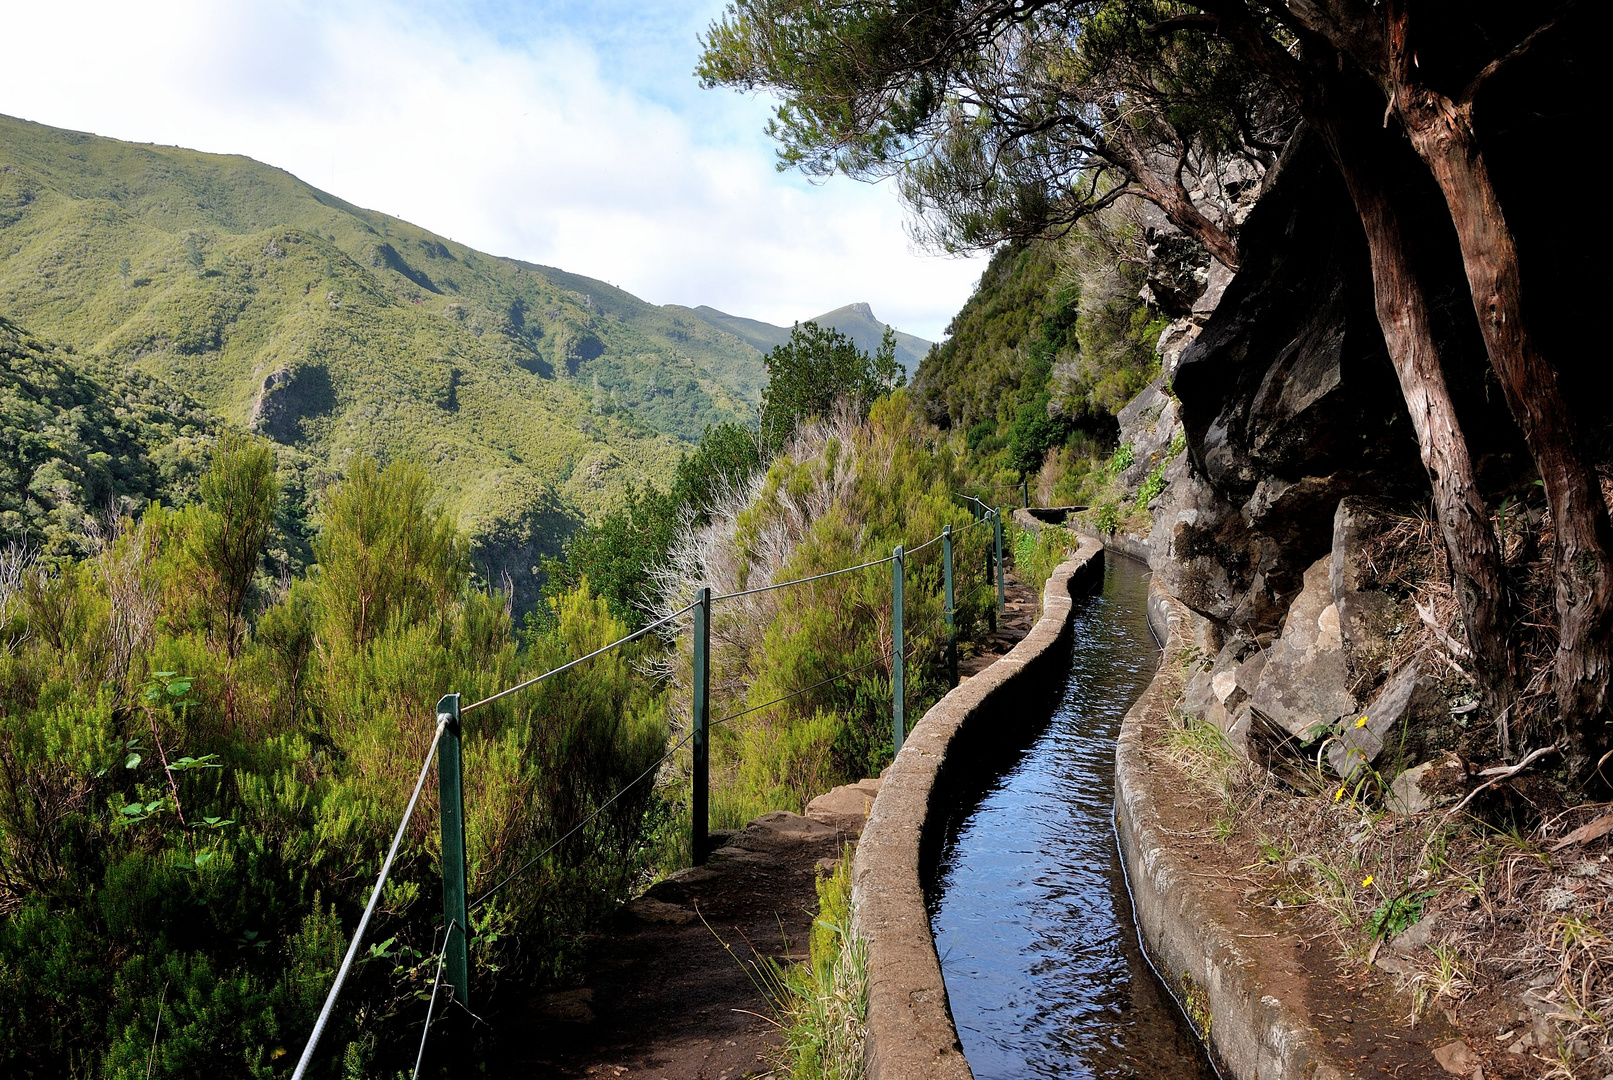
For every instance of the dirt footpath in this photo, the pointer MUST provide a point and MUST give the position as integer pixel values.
(669, 993)
(1019, 615)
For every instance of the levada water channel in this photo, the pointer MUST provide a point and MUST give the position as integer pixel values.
(1029, 907)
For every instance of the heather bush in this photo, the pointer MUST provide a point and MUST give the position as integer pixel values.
(201, 768)
(839, 494)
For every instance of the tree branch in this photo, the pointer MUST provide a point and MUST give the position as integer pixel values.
(1504, 773)
(1183, 22)
(1512, 55)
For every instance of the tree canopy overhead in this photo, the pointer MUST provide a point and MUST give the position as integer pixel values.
(1004, 120)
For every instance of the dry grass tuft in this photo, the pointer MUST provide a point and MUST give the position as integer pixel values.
(1507, 931)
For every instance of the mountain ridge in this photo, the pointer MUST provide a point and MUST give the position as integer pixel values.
(534, 397)
(856, 320)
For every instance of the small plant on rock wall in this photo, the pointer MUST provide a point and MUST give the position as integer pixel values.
(1151, 488)
(1107, 517)
(1123, 459)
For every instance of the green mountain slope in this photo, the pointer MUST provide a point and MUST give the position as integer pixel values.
(76, 442)
(759, 335)
(531, 395)
(73, 207)
(856, 321)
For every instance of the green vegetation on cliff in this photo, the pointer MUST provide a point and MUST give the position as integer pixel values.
(1053, 342)
(79, 444)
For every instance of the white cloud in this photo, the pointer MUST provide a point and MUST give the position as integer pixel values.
(559, 136)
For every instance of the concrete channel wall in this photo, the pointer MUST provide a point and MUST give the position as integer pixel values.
(958, 746)
(1212, 970)
(950, 754)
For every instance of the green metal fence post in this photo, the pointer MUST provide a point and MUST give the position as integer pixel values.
(898, 695)
(451, 798)
(991, 611)
(1002, 588)
(700, 800)
(946, 577)
(1025, 492)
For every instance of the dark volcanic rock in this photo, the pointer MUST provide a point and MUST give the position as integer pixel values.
(1206, 555)
(1367, 615)
(1178, 270)
(1288, 397)
(1289, 401)
(1408, 702)
(1148, 423)
(1304, 683)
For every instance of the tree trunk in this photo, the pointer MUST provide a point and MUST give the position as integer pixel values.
(1357, 145)
(1464, 520)
(1442, 133)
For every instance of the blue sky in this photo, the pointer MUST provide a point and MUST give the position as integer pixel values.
(567, 133)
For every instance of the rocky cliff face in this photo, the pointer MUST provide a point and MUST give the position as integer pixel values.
(1300, 457)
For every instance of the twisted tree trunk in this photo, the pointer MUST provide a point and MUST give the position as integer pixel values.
(1442, 132)
(1364, 157)
(1464, 520)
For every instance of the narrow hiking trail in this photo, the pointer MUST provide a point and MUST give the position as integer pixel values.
(669, 993)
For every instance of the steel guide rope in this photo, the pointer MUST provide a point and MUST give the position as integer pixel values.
(442, 958)
(414, 798)
(634, 636)
(369, 909)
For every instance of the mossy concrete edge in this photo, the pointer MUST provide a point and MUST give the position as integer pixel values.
(1127, 543)
(911, 1035)
(1253, 1035)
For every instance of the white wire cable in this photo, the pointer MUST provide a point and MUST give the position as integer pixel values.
(634, 636)
(369, 909)
(442, 958)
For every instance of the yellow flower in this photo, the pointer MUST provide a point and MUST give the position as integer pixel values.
(1366, 881)
(1361, 722)
(1339, 794)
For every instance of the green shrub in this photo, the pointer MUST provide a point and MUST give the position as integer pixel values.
(823, 1007)
(846, 493)
(1038, 554)
(816, 369)
(1150, 489)
(201, 772)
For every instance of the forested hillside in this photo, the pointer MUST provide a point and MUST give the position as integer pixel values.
(1055, 340)
(531, 396)
(76, 442)
(534, 397)
(164, 256)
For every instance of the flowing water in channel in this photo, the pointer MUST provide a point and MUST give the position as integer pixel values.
(1031, 916)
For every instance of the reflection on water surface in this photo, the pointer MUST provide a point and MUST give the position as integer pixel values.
(1031, 916)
